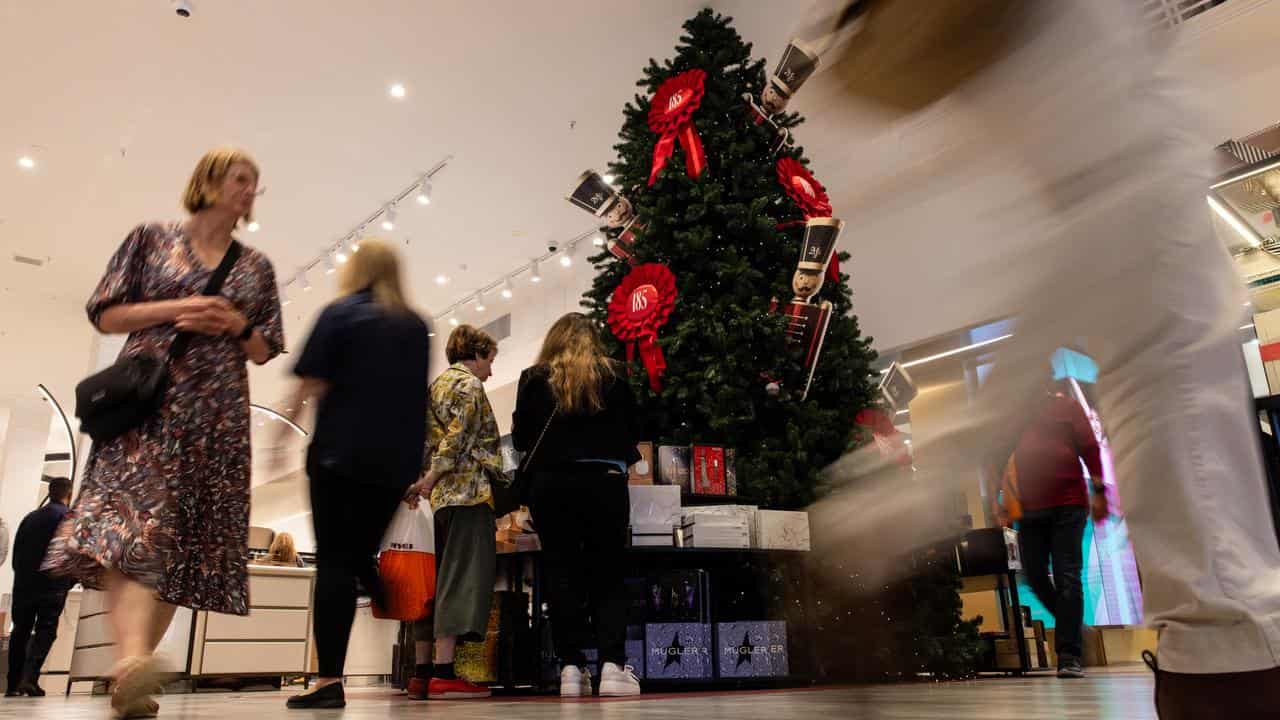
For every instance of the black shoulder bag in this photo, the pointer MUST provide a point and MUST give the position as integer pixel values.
(508, 498)
(113, 401)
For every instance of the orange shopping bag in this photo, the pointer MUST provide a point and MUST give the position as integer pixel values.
(407, 565)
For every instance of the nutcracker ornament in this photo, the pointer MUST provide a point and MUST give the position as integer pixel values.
(798, 62)
(807, 320)
(593, 194)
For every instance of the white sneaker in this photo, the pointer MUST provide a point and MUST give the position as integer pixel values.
(618, 681)
(575, 682)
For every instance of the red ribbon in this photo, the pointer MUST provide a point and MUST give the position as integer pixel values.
(810, 196)
(671, 116)
(641, 304)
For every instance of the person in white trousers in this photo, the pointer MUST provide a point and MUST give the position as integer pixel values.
(1107, 238)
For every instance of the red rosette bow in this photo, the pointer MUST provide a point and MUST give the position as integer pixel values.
(810, 196)
(641, 304)
(671, 117)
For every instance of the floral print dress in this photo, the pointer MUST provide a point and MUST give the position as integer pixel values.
(167, 503)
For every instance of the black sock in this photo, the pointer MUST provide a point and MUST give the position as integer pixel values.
(422, 671)
(444, 671)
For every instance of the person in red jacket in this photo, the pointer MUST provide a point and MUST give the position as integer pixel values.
(1056, 505)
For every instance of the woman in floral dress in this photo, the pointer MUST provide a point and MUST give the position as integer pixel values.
(163, 514)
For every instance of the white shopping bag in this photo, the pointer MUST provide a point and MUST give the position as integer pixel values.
(407, 565)
(411, 530)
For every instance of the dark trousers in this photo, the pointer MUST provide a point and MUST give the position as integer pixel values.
(1055, 535)
(35, 621)
(350, 519)
(581, 515)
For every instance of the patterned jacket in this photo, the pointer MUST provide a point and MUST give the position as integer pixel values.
(462, 440)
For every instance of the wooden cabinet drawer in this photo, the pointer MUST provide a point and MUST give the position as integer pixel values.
(249, 658)
(279, 591)
(258, 625)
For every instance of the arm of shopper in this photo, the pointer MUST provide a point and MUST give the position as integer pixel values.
(305, 392)
(1086, 443)
(267, 339)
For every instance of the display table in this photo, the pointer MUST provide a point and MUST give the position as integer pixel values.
(744, 584)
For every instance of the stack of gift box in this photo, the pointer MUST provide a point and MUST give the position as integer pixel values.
(695, 469)
(658, 519)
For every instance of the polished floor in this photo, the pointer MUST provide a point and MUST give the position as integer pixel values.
(1112, 695)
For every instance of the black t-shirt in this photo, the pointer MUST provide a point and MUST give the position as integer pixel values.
(30, 544)
(371, 425)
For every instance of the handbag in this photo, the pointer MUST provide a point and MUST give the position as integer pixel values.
(510, 497)
(121, 397)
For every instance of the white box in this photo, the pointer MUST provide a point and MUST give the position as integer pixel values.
(782, 530)
(709, 513)
(717, 538)
(652, 504)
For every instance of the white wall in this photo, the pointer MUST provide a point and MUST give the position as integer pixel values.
(26, 431)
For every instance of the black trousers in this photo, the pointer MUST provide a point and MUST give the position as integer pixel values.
(35, 627)
(1054, 535)
(350, 519)
(581, 515)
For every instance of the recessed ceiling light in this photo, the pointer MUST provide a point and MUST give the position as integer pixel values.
(397, 91)
(442, 279)
(26, 162)
(253, 226)
(424, 191)
(597, 240)
(453, 321)
(566, 261)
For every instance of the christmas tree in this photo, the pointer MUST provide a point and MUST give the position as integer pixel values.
(718, 215)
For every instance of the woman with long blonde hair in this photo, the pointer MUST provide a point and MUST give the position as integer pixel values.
(366, 365)
(576, 422)
(283, 551)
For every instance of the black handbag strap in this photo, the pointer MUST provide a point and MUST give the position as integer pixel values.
(524, 466)
(179, 346)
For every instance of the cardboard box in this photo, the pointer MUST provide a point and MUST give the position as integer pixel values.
(752, 649)
(678, 651)
(707, 470)
(642, 472)
(673, 466)
(782, 530)
(652, 504)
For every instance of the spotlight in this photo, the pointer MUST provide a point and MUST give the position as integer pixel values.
(479, 302)
(329, 266)
(304, 282)
(389, 218)
(340, 256)
(566, 261)
(534, 275)
(424, 192)
(608, 178)
(507, 291)
(284, 296)
(253, 226)
(597, 240)
(442, 279)
(26, 162)
(453, 321)
(397, 91)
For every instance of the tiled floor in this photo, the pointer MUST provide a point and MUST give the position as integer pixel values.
(1114, 695)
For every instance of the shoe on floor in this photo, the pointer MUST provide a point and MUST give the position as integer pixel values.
(417, 688)
(1070, 668)
(459, 689)
(329, 696)
(575, 682)
(618, 681)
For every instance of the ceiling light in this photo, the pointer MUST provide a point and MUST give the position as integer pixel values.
(424, 192)
(389, 218)
(597, 240)
(453, 321)
(253, 226)
(329, 266)
(1230, 218)
(442, 279)
(565, 260)
(431, 333)
(479, 302)
(397, 91)
(26, 162)
(284, 296)
(534, 275)
(507, 291)
(608, 177)
(340, 256)
(304, 282)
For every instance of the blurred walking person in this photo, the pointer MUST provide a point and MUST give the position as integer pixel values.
(365, 365)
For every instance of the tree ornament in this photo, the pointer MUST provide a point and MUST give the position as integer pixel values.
(810, 196)
(641, 304)
(807, 322)
(593, 194)
(671, 117)
(798, 62)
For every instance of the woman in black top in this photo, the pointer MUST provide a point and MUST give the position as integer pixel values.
(366, 362)
(575, 413)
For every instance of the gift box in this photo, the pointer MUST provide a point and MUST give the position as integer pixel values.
(655, 504)
(721, 527)
(752, 649)
(673, 466)
(678, 651)
(652, 535)
(723, 537)
(782, 530)
(707, 470)
(642, 472)
(731, 472)
(745, 514)
(678, 596)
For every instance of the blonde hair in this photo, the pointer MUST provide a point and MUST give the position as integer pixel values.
(468, 343)
(202, 188)
(374, 266)
(579, 367)
(282, 550)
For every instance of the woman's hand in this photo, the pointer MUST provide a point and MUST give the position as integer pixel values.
(209, 315)
(414, 494)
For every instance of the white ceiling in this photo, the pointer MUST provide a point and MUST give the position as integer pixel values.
(122, 97)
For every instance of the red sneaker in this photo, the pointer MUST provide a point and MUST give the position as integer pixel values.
(417, 689)
(455, 690)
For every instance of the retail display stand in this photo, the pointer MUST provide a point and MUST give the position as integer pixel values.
(993, 553)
